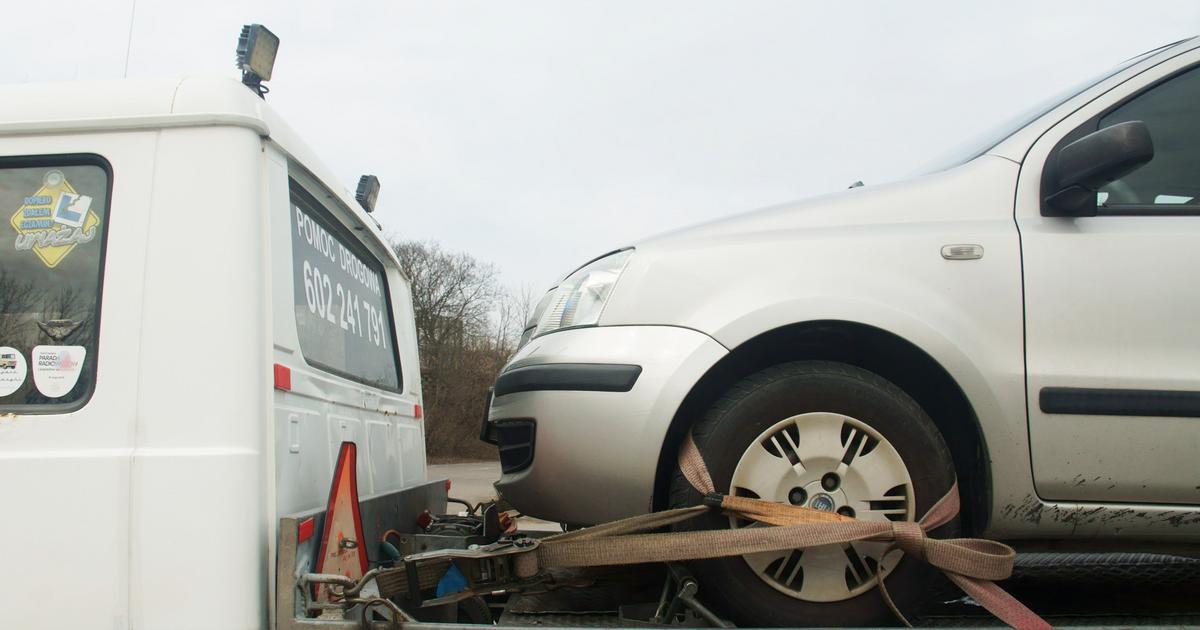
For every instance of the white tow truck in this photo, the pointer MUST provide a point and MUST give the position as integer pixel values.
(194, 317)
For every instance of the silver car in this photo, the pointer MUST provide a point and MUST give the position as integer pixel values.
(1021, 321)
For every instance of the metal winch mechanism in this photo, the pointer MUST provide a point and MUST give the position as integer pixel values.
(386, 562)
(424, 574)
(467, 568)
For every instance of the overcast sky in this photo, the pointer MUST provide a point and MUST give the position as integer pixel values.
(535, 135)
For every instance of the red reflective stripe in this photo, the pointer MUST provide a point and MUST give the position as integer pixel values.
(306, 529)
(283, 378)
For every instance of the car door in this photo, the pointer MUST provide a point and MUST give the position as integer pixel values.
(1112, 306)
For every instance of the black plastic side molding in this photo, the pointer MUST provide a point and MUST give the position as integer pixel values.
(1119, 402)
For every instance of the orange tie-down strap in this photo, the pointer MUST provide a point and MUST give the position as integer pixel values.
(971, 563)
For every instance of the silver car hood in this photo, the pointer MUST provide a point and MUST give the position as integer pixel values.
(941, 196)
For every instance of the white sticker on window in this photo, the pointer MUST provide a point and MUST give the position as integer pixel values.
(56, 369)
(12, 370)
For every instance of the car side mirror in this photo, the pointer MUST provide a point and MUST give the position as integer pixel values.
(1087, 164)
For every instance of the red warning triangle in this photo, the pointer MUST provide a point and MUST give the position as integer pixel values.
(343, 549)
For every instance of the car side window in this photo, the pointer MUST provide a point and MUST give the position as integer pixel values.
(1171, 111)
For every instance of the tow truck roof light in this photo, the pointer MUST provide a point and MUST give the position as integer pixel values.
(368, 192)
(256, 51)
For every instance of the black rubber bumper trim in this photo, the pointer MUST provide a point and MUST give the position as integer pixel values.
(1119, 402)
(582, 377)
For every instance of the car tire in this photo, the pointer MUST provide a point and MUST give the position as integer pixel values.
(813, 396)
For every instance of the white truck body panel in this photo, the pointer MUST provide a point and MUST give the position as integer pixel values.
(154, 504)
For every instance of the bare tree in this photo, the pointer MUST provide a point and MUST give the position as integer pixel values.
(526, 300)
(467, 326)
(513, 311)
(15, 299)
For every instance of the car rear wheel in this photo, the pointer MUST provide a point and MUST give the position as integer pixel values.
(832, 437)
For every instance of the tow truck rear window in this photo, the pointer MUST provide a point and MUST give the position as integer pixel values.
(53, 218)
(343, 314)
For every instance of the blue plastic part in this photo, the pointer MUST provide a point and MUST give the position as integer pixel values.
(453, 581)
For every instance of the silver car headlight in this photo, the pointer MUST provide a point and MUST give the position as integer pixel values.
(580, 298)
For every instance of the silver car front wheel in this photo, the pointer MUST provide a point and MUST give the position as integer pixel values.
(834, 463)
(832, 437)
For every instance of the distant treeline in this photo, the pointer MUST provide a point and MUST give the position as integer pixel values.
(467, 326)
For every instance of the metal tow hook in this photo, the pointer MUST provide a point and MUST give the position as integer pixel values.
(347, 590)
(685, 595)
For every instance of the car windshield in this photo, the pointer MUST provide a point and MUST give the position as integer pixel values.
(981, 143)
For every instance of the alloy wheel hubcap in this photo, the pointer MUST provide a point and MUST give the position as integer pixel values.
(833, 463)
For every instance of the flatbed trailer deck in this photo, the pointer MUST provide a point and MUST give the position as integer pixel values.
(1094, 590)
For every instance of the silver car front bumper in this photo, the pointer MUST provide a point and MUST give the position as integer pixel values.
(581, 416)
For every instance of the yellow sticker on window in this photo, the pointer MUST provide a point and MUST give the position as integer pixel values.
(53, 220)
